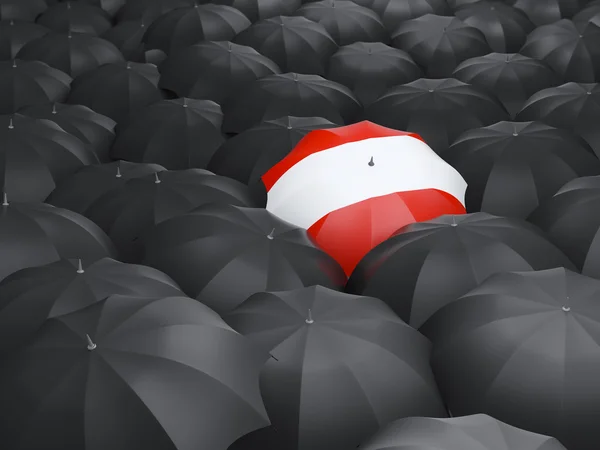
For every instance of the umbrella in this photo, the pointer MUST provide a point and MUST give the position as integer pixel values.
(34, 295)
(475, 432)
(75, 17)
(337, 359)
(132, 372)
(437, 110)
(187, 26)
(149, 10)
(217, 71)
(352, 187)
(455, 5)
(522, 347)
(73, 53)
(591, 13)
(394, 12)
(35, 155)
(111, 7)
(26, 10)
(117, 90)
(128, 38)
(511, 77)
(439, 43)
(428, 265)
(256, 10)
(549, 11)
(512, 167)
(504, 27)
(295, 44)
(572, 106)
(290, 94)
(126, 212)
(25, 83)
(14, 35)
(221, 254)
(572, 51)
(177, 134)
(80, 121)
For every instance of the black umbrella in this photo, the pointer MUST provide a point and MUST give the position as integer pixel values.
(75, 17)
(14, 35)
(512, 167)
(437, 110)
(222, 254)
(25, 83)
(80, 121)
(109, 6)
(128, 38)
(217, 71)
(256, 10)
(591, 13)
(117, 90)
(571, 51)
(512, 78)
(26, 10)
(439, 43)
(150, 10)
(455, 5)
(394, 12)
(177, 134)
(572, 106)
(132, 372)
(429, 264)
(291, 94)
(336, 359)
(476, 432)
(549, 11)
(522, 347)
(295, 44)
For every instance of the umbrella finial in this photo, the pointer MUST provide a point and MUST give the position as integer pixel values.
(371, 162)
(53, 108)
(10, 124)
(128, 66)
(91, 345)
(69, 35)
(156, 179)
(4, 199)
(118, 175)
(14, 63)
(185, 105)
(271, 235)
(454, 224)
(295, 76)
(566, 307)
(12, 21)
(80, 266)
(309, 319)
(229, 47)
(142, 23)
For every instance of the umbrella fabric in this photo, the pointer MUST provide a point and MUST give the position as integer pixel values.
(150, 10)
(117, 90)
(439, 43)
(128, 38)
(26, 10)
(393, 12)
(177, 134)
(428, 265)
(371, 68)
(549, 11)
(295, 44)
(31, 296)
(32, 234)
(25, 83)
(75, 17)
(511, 77)
(571, 51)
(475, 432)
(455, 5)
(182, 27)
(591, 13)
(512, 167)
(111, 7)
(222, 254)
(15, 34)
(90, 127)
(571, 106)
(132, 372)
(337, 359)
(522, 347)
(437, 110)
(352, 187)
(256, 10)
(290, 94)
(36, 155)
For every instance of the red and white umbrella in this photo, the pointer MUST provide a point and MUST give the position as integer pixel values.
(352, 187)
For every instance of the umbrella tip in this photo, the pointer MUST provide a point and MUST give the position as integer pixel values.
(309, 319)
(12, 21)
(515, 134)
(156, 179)
(295, 76)
(14, 63)
(229, 47)
(371, 162)
(453, 224)
(271, 235)
(53, 108)
(80, 266)
(118, 175)
(4, 199)
(10, 124)
(128, 65)
(91, 345)
(185, 105)
(69, 35)
(589, 92)
(566, 308)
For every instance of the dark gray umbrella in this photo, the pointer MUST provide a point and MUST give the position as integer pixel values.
(150, 10)
(591, 13)
(26, 10)
(222, 254)
(128, 38)
(341, 367)
(75, 17)
(256, 10)
(429, 264)
(523, 348)
(475, 432)
(132, 372)
(394, 12)
(15, 34)
(110, 6)
(549, 11)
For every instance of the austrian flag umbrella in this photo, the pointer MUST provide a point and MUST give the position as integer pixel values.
(352, 187)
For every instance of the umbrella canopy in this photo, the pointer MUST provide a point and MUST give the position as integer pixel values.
(128, 38)
(256, 10)
(352, 187)
(75, 17)
(571, 50)
(15, 34)
(437, 110)
(512, 167)
(439, 43)
(132, 372)
(511, 77)
(394, 12)
(26, 10)
(25, 83)
(290, 94)
(150, 10)
(476, 432)
(187, 26)
(549, 11)
(117, 90)
(326, 343)
(522, 347)
(295, 44)
(109, 6)
(571, 106)
(222, 254)
(371, 68)
(591, 13)
(428, 265)
(177, 134)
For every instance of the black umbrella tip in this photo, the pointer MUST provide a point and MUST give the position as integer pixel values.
(91, 345)
(271, 235)
(371, 162)
(80, 266)
(14, 63)
(515, 134)
(156, 179)
(430, 90)
(589, 92)
(309, 319)
(10, 124)
(5, 199)
(566, 308)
